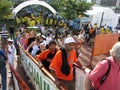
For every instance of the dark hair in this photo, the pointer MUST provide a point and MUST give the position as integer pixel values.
(52, 42)
(65, 68)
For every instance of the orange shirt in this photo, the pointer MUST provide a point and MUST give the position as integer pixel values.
(57, 63)
(43, 55)
(91, 30)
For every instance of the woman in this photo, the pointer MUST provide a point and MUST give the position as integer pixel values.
(112, 80)
(35, 46)
(22, 41)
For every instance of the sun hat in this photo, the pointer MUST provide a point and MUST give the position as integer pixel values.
(69, 40)
(10, 40)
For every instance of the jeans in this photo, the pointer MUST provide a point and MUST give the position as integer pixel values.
(3, 77)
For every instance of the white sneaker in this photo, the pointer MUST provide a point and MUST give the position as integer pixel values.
(80, 54)
(9, 75)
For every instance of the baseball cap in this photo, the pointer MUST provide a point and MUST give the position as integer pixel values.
(69, 40)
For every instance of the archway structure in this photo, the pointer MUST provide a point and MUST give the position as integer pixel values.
(33, 2)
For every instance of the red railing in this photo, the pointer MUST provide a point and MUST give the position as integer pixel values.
(22, 85)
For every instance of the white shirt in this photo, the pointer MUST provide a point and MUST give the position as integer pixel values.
(48, 39)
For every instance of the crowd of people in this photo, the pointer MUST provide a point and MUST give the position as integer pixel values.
(46, 50)
(7, 55)
(58, 51)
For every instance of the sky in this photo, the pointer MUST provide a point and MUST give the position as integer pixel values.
(89, 0)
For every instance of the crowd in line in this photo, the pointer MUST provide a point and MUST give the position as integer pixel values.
(58, 55)
(58, 52)
(55, 55)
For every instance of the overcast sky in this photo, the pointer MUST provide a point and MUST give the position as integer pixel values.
(89, 0)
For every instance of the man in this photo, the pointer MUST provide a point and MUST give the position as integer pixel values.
(112, 81)
(10, 50)
(11, 30)
(3, 73)
(46, 56)
(61, 66)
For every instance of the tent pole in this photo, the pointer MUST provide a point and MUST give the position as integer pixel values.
(101, 19)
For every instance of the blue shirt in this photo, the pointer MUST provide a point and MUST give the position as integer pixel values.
(2, 53)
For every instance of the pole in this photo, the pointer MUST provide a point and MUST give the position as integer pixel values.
(101, 19)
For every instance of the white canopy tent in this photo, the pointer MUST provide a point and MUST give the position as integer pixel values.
(94, 11)
(110, 18)
(33, 2)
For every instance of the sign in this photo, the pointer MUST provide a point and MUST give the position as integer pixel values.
(103, 43)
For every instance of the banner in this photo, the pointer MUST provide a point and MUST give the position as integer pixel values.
(103, 43)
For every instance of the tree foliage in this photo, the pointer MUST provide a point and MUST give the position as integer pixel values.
(5, 6)
(71, 8)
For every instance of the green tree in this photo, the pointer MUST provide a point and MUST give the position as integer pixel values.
(71, 8)
(5, 8)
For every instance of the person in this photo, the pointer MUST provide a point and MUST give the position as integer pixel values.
(4, 27)
(16, 44)
(43, 43)
(66, 30)
(48, 39)
(11, 30)
(112, 81)
(61, 66)
(10, 50)
(22, 41)
(86, 28)
(46, 56)
(31, 38)
(56, 34)
(3, 73)
(35, 46)
(78, 44)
